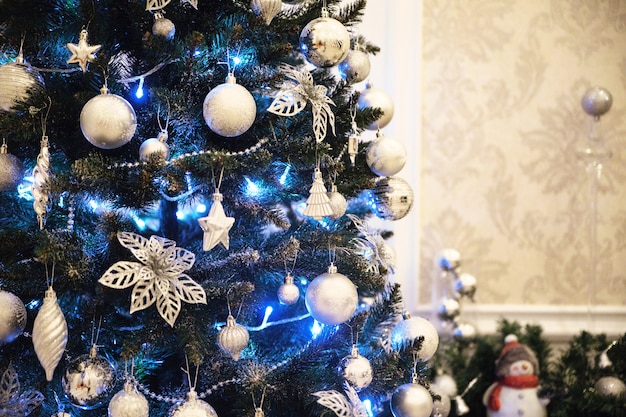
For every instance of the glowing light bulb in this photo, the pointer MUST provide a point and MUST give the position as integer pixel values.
(139, 92)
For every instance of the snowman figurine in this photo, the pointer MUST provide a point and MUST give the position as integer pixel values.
(514, 394)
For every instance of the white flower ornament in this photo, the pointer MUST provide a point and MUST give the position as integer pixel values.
(158, 277)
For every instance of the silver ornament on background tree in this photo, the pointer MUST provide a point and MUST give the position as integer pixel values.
(12, 317)
(376, 98)
(229, 109)
(449, 259)
(596, 101)
(193, 407)
(129, 402)
(385, 156)
(464, 333)
(324, 42)
(267, 9)
(18, 82)
(11, 169)
(155, 148)
(442, 406)
(610, 386)
(288, 292)
(449, 309)
(89, 380)
(331, 297)
(108, 121)
(50, 333)
(233, 338)
(411, 400)
(337, 201)
(407, 331)
(392, 198)
(465, 285)
(163, 26)
(355, 67)
(356, 370)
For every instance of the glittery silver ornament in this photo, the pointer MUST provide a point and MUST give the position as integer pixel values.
(324, 41)
(11, 169)
(267, 9)
(155, 148)
(385, 156)
(356, 370)
(465, 285)
(411, 400)
(376, 98)
(18, 82)
(89, 380)
(193, 407)
(12, 317)
(464, 333)
(449, 309)
(288, 292)
(442, 406)
(233, 338)
(356, 67)
(50, 333)
(229, 109)
(338, 203)
(129, 403)
(331, 297)
(409, 329)
(392, 198)
(108, 121)
(163, 26)
(596, 101)
(446, 384)
(449, 259)
(610, 386)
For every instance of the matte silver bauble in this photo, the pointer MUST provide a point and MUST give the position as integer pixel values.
(89, 380)
(233, 338)
(331, 297)
(356, 370)
(376, 98)
(408, 330)
(288, 292)
(129, 403)
(11, 170)
(356, 67)
(338, 203)
(411, 400)
(385, 156)
(229, 109)
(18, 81)
(392, 198)
(596, 101)
(324, 42)
(610, 386)
(12, 317)
(108, 121)
(163, 26)
(193, 407)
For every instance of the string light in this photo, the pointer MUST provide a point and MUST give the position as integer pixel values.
(139, 92)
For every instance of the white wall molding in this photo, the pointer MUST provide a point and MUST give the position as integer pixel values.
(559, 323)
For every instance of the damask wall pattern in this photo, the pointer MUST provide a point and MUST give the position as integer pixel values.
(501, 182)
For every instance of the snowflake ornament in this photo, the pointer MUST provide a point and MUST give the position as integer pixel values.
(82, 53)
(350, 406)
(158, 277)
(12, 402)
(299, 90)
(373, 247)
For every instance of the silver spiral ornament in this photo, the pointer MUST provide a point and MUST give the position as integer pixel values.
(50, 333)
(41, 176)
(233, 338)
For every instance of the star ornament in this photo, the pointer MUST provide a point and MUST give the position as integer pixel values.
(83, 52)
(158, 276)
(216, 225)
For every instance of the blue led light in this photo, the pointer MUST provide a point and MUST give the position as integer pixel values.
(236, 60)
(283, 177)
(367, 403)
(180, 215)
(139, 92)
(140, 223)
(201, 208)
(252, 189)
(316, 329)
(93, 204)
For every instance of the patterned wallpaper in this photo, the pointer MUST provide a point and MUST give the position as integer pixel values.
(500, 181)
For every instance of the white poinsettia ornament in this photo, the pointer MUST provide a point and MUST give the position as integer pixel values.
(293, 97)
(158, 277)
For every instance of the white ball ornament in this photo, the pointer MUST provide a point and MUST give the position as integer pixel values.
(193, 407)
(12, 317)
(596, 101)
(356, 67)
(465, 285)
(411, 400)
(376, 98)
(155, 148)
(229, 109)
(11, 169)
(129, 403)
(449, 309)
(108, 121)
(89, 380)
(331, 297)
(392, 198)
(408, 330)
(385, 156)
(18, 81)
(324, 41)
(442, 406)
(356, 370)
(288, 292)
(610, 386)
(338, 203)
(163, 26)
(464, 333)
(446, 384)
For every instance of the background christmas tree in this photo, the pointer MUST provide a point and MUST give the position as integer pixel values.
(182, 230)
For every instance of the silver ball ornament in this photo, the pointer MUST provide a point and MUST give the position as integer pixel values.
(355, 67)
(267, 9)
(331, 297)
(233, 338)
(465, 285)
(324, 41)
(410, 329)
(392, 198)
(411, 400)
(11, 170)
(288, 292)
(129, 403)
(446, 384)
(596, 101)
(155, 147)
(108, 121)
(449, 309)
(18, 81)
(464, 333)
(442, 406)
(12, 317)
(376, 98)
(338, 203)
(356, 370)
(163, 26)
(610, 386)
(229, 109)
(193, 407)
(385, 156)
(89, 380)
(449, 259)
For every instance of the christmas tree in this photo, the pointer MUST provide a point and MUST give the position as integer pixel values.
(184, 213)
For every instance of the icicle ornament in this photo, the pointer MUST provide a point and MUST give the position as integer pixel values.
(41, 176)
(50, 333)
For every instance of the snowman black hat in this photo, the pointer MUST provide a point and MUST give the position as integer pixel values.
(512, 352)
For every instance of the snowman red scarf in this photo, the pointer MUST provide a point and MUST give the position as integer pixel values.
(513, 381)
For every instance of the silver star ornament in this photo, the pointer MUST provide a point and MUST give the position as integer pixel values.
(216, 225)
(83, 52)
